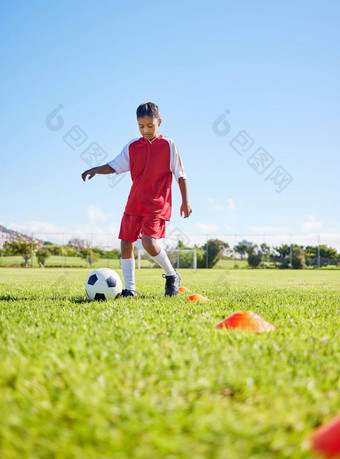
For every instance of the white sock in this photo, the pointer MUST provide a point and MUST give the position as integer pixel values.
(128, 268)
(163, 260)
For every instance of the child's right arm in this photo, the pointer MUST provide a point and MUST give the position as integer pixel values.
(118, 165)
(105, 169)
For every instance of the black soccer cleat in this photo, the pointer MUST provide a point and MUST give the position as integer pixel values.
(172, 284)
(126, 293)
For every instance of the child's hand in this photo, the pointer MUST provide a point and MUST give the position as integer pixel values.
(185, 209)
(90, 172)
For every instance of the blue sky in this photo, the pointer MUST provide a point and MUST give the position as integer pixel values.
(273, 65)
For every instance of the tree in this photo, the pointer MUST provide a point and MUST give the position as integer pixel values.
(215, 248)
(89, 257)
(311, 251)
(328, 252)
(265, 249)
(42, 254)
(77, 244)
(255, 256)
(114, 254)
(283, 255)
(241, 249)
(328, 255)
(298, 257)
(70, 251)
(283, 250)
(20, 246)
(55, 250)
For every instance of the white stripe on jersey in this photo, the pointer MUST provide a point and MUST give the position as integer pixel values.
(121, 163)
(176, 165)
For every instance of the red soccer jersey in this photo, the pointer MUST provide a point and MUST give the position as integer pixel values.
(151, 164)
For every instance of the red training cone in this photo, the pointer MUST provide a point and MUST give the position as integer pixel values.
(184, 290)
(198, 298)
(326, 439)
(246, 320)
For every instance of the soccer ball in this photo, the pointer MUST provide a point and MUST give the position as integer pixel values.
(103, 284)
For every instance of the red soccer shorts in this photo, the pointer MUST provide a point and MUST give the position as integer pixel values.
(132, 227)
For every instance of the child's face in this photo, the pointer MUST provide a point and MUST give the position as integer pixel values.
(148, 126)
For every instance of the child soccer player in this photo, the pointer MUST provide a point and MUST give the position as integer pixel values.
(151, 160)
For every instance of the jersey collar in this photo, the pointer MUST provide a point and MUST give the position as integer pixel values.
(159, 136)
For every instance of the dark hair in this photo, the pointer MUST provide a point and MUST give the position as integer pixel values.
(148, 109)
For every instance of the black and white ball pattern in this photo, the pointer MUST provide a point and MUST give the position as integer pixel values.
(103, 284)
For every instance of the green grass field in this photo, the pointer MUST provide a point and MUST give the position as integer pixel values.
(152, 377)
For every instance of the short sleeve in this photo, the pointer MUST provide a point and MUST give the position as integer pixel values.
(176, 165)
(121, 163)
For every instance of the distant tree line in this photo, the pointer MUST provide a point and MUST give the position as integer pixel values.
(288, 256)
(74, 248)
(284, 256)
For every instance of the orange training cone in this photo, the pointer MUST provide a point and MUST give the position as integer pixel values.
(326, 439)
(196, 297)
(246, 320)
(184, 290)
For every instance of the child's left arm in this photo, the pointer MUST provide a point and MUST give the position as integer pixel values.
(185, 207)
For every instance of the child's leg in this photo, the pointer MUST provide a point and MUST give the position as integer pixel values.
(158, 254)
(128, 264)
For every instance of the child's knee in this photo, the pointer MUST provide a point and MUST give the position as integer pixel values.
(150, 245)
(147, 241)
